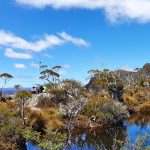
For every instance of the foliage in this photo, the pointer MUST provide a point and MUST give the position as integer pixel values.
(136, 98)
(75, 100)
(141, 143)
(45, 119)
(58, 95)
(21, 98)
(72, 87)
(45, 102)
(104, 109)
(144, 108)
(50, 75)
(51, 140)
(73, 107)
(17, 87)
(107, 80)
(10, 126)
(23, 95)
(6, 77)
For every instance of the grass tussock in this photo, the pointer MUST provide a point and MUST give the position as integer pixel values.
(144, 108)
(45, 119)
(133, 98)
(8, 109)
(8, 105)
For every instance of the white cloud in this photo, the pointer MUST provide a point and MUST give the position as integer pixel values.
(20, 66)
(8, 39)
(35, 65)
(12, 54)
(47, 55)
(73, 40)
(66, 66)
(114, 9)
(63, 72)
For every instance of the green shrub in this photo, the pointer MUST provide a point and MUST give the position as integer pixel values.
(45, 102)
(104, 110)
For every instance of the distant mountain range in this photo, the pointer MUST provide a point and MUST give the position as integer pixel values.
(10, 91)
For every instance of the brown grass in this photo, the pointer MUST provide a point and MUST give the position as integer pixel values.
(144, 108)
(136, 97)
(45, 119)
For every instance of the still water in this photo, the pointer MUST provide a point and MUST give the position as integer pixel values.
(92, 139)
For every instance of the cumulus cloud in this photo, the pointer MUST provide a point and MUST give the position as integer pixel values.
(114, 9)
(12, 54)
(73, 40)
(20, 66)
(8, 39)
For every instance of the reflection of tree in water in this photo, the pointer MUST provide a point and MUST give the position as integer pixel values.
(87, 138)
(140, 119)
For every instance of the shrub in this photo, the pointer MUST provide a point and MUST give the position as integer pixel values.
(45, 102)
(58, 95)
(10, 126)
(51, 140)
(104, 110)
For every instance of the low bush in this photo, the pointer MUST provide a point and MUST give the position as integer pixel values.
(10, 126)
(104, 110)
(58, 95)
(45, 102)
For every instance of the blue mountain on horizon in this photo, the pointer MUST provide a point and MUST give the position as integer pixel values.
(13, 90)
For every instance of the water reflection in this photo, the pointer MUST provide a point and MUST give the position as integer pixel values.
(140, 119)
(138, 124)
(89, 139)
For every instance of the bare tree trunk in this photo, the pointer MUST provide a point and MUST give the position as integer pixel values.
(2, 88)
(21, 111)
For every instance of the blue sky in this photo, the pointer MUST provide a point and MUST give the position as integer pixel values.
(79, 36)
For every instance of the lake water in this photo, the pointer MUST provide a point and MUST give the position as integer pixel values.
(89, 139)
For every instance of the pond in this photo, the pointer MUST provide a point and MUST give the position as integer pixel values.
(92, 139)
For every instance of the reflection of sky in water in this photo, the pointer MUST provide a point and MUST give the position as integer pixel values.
(86, 147)
(133, 130)
(75, 147)
(32, 147)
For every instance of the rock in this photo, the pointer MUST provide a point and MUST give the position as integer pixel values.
(35, 97)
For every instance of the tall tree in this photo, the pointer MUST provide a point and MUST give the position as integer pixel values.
(50, 75)
(6, 77)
